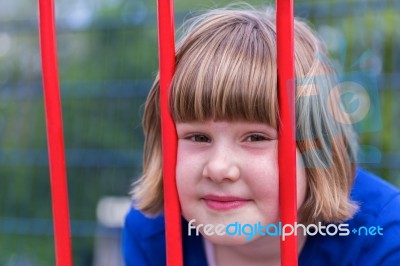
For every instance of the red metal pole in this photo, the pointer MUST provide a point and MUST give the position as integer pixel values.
(166, 44)
(55, 140)
(287, 134)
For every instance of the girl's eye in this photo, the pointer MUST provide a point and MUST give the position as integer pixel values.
(199, 138)
(256, 137)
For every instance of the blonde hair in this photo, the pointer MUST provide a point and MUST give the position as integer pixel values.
(226, 70)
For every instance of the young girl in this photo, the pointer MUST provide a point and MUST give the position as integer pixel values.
(224, 104)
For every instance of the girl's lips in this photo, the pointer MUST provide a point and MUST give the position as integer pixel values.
(222, 203)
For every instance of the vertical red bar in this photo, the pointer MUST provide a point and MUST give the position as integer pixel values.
(287, 135)
(55, 140)
(166, 44)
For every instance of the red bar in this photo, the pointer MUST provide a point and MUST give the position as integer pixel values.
(287, 135)
(55, 140)
(166, 45)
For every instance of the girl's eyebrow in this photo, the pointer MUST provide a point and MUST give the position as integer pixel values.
(184, 126)
(270, 130)
(261, 126)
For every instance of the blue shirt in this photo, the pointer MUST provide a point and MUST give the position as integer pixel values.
(143, 238)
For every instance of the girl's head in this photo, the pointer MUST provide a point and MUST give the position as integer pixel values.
(226, 81)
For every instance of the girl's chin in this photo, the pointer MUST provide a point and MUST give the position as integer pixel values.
(227, 240)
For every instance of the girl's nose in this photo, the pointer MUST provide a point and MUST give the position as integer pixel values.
(221, 166)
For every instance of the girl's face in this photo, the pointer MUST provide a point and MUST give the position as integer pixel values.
(227, 172)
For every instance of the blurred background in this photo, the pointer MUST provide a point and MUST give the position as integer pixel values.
(107, 53)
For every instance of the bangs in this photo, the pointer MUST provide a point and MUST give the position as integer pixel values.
(226, 71)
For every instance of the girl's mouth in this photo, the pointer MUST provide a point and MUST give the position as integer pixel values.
(223, 203)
